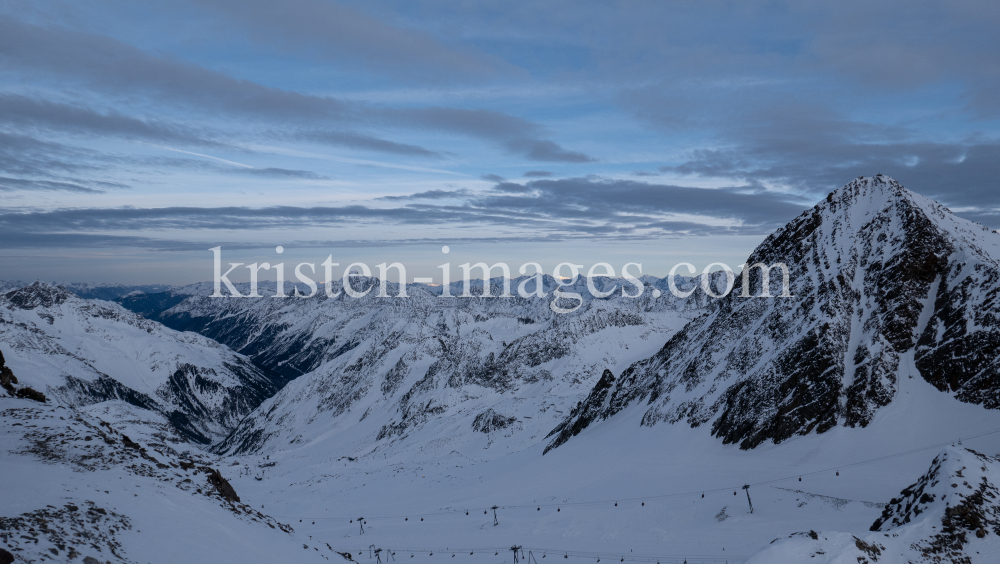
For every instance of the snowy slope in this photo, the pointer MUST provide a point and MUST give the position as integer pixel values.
(80, 352)
(950, 515)
(75, 487)
(620, 492)
(876, 272)
(565, 502)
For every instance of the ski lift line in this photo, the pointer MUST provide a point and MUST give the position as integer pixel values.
(628, 556)
(672, 495)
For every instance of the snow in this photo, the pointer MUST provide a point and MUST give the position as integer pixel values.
(618, 491)
(166, 520)
(49, 347)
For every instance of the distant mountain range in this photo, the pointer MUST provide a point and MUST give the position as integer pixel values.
(891, 298)
(881, 278)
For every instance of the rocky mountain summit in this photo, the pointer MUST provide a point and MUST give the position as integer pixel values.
(881, 280)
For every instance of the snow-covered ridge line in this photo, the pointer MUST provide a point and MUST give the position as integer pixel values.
(79, 352)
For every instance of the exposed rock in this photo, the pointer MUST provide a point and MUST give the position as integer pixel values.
(38, 294)
(6, 557)
(585, 412)
(7, 378)
(949, 516)
(490, 421)
(29, 393)
(7, 381)
(960, 493)
(224, 488)
(129, 443)
(875, 271)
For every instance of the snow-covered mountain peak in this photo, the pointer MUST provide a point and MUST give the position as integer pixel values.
(39, 294)
(884, 284)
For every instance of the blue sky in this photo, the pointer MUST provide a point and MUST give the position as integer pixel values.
(135, 136)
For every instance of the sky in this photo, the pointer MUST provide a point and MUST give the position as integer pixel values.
(136, 136)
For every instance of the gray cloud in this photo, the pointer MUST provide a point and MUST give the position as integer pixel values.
(271, 172)
(816, 151)
(22, 111)
(516, 135)
(37, 165)
(928, 43)
(546, 151)
(119, 70)
(8, 184)
(24, 155)
(338, 33)
(584, 206)
(429, 195)
(610, 200)
(537, 174)
(492, 177)
(361, 141)
(762, 137)
(65, 168)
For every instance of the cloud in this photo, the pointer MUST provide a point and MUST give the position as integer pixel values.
(8, 184)
(362, 141)
(560, 208)
(119, 71)
(546, 151)
(271, 172)
(809, 147)
(428, 195)
(65, 168)
(627, 201)
(516, 135)
(927, 44)
(537, 174)
(340, 34)
(35, 165)
(24, 155)
(21, 111)
(492, 177)
(814, 151)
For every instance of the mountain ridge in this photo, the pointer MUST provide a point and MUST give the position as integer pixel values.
(866, 263)
(82, 352)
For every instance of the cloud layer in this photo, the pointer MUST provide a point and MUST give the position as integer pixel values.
(162, 125)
